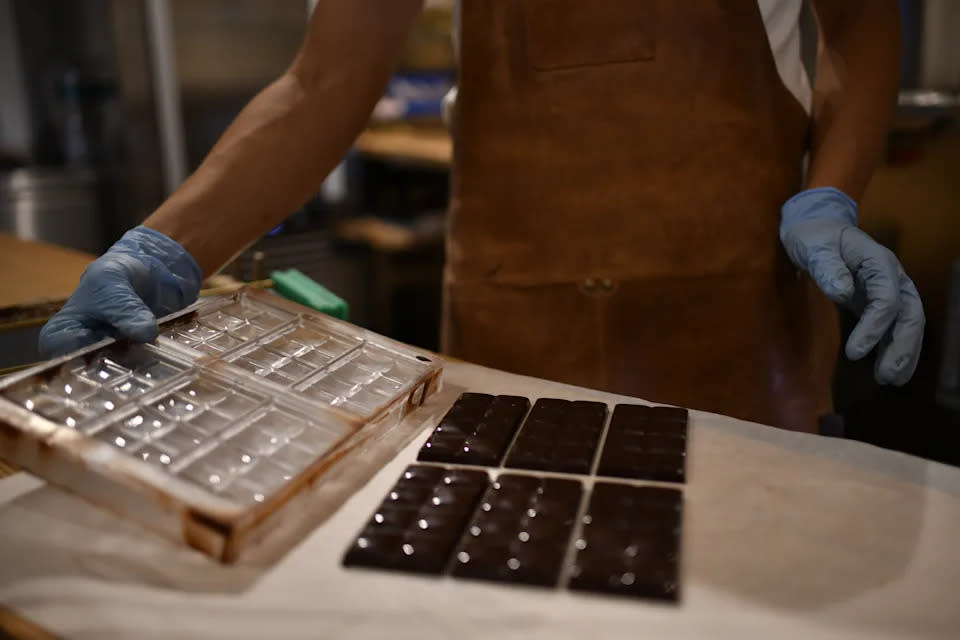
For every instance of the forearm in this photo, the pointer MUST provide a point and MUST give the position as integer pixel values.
(280, 148)
(268, 162)
(858, 72)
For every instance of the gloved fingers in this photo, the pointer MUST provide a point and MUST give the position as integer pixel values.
(830, 272)
(126, 312)
(64, 333)
(898, 359)
(120, 312)
(877, 273)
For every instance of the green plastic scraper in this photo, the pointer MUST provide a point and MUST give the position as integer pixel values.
(294, 285)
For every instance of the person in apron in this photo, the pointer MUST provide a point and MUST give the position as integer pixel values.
(629, 205)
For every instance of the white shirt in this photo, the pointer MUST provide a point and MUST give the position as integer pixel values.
(782, 21)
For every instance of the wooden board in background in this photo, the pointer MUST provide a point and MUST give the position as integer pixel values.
(33, 271)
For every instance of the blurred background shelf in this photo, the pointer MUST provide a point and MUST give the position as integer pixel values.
(429, 146)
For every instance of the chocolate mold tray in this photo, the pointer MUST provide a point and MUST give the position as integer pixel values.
(208, 434)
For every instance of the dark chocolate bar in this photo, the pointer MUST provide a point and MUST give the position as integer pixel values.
(630, 542)
(520, 531)
(476, 430)
(559, 435)
(420, 520)
(648, 443)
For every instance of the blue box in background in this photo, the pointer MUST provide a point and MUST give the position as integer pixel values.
(414, 96)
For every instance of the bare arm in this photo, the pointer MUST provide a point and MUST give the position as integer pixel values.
(858, 74)
(281, 147)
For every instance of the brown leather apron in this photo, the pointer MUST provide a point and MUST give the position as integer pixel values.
(619, 171)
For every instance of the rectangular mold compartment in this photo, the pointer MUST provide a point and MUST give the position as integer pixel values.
(191, 444)
(82, 389)
(222, 325)
(364, 382)
(331, 363)
(295, 351)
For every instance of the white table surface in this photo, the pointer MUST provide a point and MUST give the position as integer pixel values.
(786, 535)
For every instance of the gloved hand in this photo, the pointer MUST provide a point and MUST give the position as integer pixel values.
(143, 276)
(818, 229)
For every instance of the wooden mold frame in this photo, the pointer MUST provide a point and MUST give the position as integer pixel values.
(120, 425)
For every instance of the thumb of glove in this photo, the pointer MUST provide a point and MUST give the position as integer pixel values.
(828, 269)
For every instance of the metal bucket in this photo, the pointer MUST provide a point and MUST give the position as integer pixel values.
(56, 206)
(931, 48)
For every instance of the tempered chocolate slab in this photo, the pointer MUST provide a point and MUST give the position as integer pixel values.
(630, 542)
(476, 430)
(520, 531)
(648, 443)
(559, 435)
(420, 520)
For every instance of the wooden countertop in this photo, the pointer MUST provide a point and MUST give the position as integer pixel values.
(37, 272)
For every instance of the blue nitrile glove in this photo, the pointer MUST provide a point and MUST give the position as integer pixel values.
(143, 276)
(819, 231)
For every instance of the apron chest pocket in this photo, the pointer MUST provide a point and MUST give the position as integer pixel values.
(562, 34)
